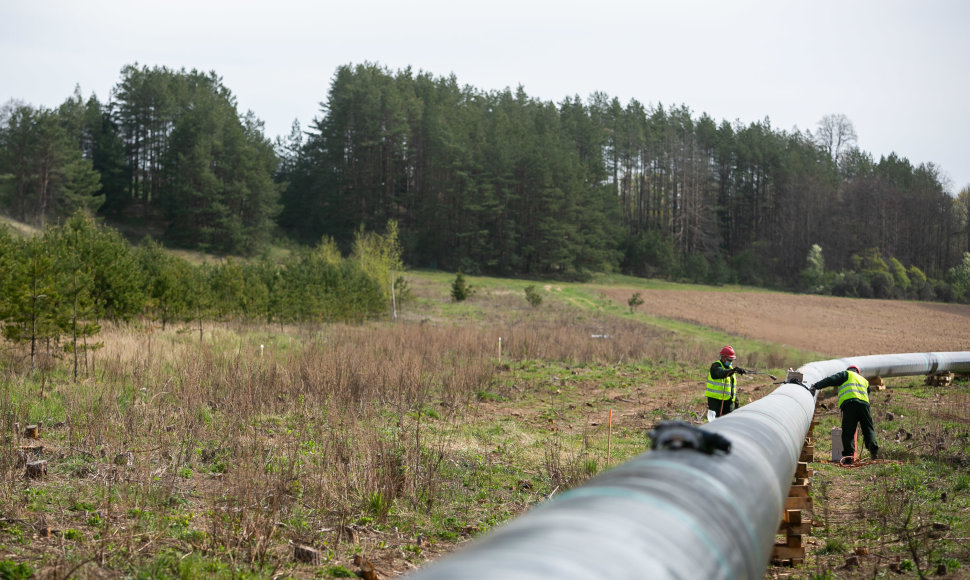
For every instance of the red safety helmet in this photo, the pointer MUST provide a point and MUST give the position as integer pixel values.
(853, 368)
(728, 352)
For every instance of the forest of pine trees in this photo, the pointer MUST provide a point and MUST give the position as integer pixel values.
(492, 182)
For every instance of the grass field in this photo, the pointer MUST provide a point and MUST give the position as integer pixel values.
(226, 456)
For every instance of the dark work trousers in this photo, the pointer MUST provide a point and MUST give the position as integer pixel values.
(857, 413)
(720, 407)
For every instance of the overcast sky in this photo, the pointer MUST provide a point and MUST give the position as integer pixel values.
(898, 69)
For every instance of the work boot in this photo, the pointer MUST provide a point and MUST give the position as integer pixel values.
(874, 452)
(846, 460)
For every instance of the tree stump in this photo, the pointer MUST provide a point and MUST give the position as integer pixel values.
(306, 554)
(36, 469)
(367, 570)
(26, 453)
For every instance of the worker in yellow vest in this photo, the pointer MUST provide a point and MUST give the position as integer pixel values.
(722, 389)
(854, 404)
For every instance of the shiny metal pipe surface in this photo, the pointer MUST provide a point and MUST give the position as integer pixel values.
(676, 513)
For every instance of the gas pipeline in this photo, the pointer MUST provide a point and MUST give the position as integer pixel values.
(703, 502)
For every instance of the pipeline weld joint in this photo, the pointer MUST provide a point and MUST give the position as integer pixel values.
(796, 378)
(682, 435)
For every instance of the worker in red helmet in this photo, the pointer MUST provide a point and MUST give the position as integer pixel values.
(854, 405)
(722, 389)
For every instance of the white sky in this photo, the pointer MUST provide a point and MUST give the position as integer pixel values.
(898, 69)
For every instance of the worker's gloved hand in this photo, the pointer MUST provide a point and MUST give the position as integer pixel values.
(739, 370)
(812, 389)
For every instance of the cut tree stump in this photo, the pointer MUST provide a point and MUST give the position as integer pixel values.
(36, 469)
(306, 554)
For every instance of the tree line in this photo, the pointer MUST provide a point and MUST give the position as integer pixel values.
(59, 286)
(494, 182)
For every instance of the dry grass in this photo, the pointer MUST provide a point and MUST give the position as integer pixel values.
(185, 456)
(240, 443)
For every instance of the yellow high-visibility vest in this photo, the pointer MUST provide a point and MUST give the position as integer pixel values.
(722, 389)
(854, 387)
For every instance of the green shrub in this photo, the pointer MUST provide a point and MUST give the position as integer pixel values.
(460, 290)
(635, 301)
(10, 570)
(532, 296)
(340, 572)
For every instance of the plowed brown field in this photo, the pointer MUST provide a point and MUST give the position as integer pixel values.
(824, 324)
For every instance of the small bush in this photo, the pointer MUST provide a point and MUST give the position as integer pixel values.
(460, 290)
(635, 301)
(532, 296)
(15, 571)
(340, 572)
(833, 546)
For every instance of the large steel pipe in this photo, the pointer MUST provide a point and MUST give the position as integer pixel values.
(677, 512)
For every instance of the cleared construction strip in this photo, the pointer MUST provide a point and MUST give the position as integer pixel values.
(706, 502)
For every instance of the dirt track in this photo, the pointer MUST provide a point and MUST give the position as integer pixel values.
(824, 324)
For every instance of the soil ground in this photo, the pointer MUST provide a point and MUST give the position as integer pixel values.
(824, 324)
(830, 326)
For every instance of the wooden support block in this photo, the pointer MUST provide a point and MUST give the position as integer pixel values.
(798, 503)
(782, 552)
(802, 529)
(802, 471)
(798, 491)
(795, 541)
(808, 454)
(939, 379)
(793, 525)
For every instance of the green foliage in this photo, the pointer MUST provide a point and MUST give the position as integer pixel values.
(635, 301)
(113, 279)
(834, 546)
(918, 283)
(719, 271)
(34, 312)
(46, 175)
(10, 570)
(169, 282)
(209, 173)
(899, 276)
(64, 282)
(340, 572)
(813, 275)
(460, 290)
(532, 296)
(649, 254)
(696, 268)
(876, 271)
(379, 256)
(79, 273)
(491, 182)
(378, 505)
(959, 278)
